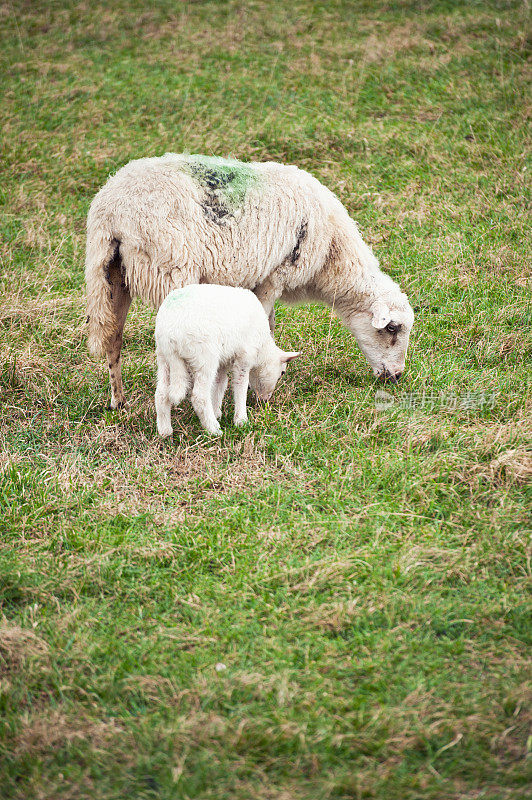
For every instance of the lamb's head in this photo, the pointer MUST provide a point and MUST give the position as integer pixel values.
(382, 331)
(263, 378)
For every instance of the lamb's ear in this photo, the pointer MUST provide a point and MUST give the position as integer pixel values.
(286, 357)
(381, 314)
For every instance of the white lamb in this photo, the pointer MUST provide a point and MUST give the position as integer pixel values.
(202, 332)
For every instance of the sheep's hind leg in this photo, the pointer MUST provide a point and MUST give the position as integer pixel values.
(120, 300)
(201, 399)
(163, 405)
(220, 385)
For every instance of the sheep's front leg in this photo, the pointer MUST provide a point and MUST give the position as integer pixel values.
(201, 399)
(163, 406)
(268, 292)
(240, 391)
(218, 392)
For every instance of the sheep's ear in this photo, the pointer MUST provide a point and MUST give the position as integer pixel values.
(286, 357)
(381, 314)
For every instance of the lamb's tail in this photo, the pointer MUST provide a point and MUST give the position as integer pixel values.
(179, 381)
(102, 251)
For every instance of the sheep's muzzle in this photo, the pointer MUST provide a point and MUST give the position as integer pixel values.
(385, 376)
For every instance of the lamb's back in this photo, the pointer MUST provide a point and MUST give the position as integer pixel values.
(210, 319)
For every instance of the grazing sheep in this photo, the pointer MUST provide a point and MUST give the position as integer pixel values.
(162, 223)
(202, 333)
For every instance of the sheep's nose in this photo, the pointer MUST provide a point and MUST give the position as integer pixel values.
(393, 377)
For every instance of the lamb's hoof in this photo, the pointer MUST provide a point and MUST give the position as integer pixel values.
(212, 428)
(165, 433)
(241, 421)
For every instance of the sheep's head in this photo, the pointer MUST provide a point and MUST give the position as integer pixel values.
(382, 332)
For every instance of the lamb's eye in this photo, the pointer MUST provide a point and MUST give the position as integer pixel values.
(392, 327)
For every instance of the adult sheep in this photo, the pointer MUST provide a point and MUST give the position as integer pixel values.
(161, 223)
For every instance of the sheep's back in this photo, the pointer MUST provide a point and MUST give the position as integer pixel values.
(192, 219)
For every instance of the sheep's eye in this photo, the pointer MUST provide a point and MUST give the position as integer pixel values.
(393, 328)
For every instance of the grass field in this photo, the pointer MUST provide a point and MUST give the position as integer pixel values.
(361, 572)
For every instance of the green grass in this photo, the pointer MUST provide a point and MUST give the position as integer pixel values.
(361, 573)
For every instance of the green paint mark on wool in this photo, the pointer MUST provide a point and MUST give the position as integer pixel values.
(225, 179)
(178, 296)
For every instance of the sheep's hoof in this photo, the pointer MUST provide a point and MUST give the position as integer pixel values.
(241, 421)
(120, 405)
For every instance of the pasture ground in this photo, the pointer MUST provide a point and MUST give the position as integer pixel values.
(361, 572)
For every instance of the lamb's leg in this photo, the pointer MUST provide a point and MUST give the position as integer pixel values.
(201, 399)
(120, 300)
(220, 385)
(163, 406)
(240, 391)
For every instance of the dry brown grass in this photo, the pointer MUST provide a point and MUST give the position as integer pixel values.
(146, 480)
(18, 646)
(31, 311)
(332, 617)
(314, 574)
(45, 732)
(513, 465)
(445, 563)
